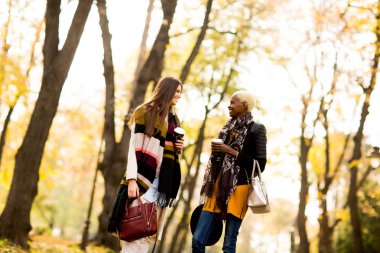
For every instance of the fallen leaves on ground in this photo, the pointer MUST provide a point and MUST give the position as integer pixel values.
(53, 245)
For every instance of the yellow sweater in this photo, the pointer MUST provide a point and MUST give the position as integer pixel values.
(237, 205)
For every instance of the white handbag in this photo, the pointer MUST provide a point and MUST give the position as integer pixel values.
(257, 196)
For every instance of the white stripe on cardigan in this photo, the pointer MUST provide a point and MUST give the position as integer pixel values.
(150, 144)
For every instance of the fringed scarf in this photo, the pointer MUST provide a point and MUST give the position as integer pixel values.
(150, 150)
(233, 134)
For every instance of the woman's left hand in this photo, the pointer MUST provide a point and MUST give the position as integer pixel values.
(223, 148)
(178, 144)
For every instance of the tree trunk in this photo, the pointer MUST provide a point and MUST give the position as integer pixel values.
(144, 38)
(354, 212)
(325, 232)
(356, 154)
(305, 145)
(4, 132)
(109, 107)
(109, 173)
(15, 219)
(325, 236)
(151, 71)
(301, 218)
(152, 68)
(112, 178)
(186, 68)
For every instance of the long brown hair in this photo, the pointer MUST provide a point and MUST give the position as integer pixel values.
(160, 104)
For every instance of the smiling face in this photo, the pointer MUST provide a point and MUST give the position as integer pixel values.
(236, 107)
(177, 95)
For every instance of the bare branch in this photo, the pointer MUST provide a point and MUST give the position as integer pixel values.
(365, 176)
(194, 52)
(222, 32)
(362, 8)
(185, 32)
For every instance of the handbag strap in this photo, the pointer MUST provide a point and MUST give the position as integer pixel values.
(256, 166)
(129, 202)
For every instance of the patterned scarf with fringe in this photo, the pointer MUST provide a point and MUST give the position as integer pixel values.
(224, 166)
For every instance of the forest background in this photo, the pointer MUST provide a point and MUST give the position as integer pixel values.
(71, 72)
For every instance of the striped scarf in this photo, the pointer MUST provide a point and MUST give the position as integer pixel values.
(150, 151)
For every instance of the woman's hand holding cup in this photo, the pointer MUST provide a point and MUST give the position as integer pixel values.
(178, 136)
(216, 145)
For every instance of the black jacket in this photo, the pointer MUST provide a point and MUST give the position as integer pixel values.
(254, 147)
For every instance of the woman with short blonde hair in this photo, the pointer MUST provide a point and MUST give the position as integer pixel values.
(225, 185)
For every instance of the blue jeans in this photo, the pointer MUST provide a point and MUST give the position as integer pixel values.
(204, 227)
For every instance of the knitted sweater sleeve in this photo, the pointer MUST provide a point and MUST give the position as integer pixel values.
(131, 171)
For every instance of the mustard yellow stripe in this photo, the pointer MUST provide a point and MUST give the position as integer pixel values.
(169, 156)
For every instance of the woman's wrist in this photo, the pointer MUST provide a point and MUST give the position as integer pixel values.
(234, 152)
(131, 179)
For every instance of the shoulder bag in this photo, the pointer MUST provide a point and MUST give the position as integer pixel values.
(257, 195)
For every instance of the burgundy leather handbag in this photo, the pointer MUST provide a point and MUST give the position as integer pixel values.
(138, 221)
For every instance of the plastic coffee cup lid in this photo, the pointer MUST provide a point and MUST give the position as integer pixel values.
(217, 140)
(179, 130)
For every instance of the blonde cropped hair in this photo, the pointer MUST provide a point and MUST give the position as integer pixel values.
(245, 96)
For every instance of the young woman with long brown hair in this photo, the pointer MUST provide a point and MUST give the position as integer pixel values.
(153, 171)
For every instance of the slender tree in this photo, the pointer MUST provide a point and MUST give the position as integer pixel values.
(304, 149)
(20, 92)
(109, 121)
(324, 182)
(15, 219)
(186, 68)
(358, 139)
(143, 47)
(309, 119)
(3, 56)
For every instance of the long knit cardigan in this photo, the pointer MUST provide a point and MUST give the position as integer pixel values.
(143, 164)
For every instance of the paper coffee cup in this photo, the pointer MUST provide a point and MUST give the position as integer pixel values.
(216, 140)
(179, 133)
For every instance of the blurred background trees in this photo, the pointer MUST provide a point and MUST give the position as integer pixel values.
(312, 66)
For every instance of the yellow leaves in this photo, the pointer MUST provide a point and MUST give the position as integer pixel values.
(374, 193)
(320, 195)
(354, 164)
(12, 80)
(362, 18)
(342, 214)
(317, 158)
